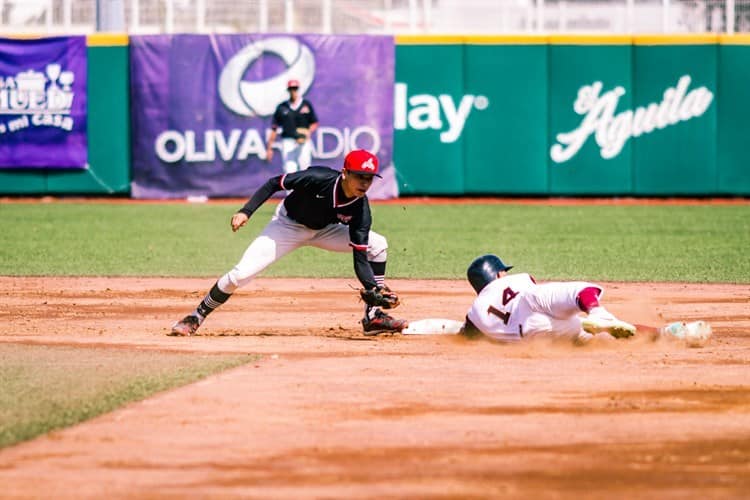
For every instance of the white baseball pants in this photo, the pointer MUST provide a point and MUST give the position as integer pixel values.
(552, 308)
(282, 235)
(295, 156)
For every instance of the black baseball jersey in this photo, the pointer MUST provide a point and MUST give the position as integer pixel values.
(317, 200)
(290, 119)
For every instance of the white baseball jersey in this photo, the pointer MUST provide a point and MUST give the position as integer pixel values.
(514, 306)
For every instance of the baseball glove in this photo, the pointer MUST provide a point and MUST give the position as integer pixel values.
(380, 297)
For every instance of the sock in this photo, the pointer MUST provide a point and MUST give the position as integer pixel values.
(378, 269)
(601, 312)
(370, 311)
(213, 299)
(588, 298)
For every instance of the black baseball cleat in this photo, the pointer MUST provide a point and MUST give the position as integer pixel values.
(186, 326)
(382, 323)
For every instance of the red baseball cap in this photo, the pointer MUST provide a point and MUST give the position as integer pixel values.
(292, 84)
(361, 162)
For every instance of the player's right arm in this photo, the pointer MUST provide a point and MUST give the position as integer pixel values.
(296, 181)
(238, 220)
(313, 120)
(264, 192)
(469, 330)
(359, 231)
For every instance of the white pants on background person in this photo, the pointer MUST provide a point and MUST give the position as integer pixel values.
(295, 156)
(282, 235)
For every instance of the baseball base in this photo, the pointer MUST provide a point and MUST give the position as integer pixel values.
(433, 326)
(698, 334)
(694, 334)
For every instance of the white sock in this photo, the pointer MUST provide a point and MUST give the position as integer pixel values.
(370, 312)
(599, 311)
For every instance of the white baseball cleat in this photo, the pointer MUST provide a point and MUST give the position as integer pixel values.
(695, 334)
(600, 320)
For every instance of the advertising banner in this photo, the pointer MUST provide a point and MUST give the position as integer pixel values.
(470, 125)
(571, 116)
(429, 139)
(733, 175)
(504, 149)
(202, 108)
(43, 103)
(589, 87)
(674, 142)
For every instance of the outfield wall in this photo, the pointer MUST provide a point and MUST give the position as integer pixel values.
(108, 131)
(512, 115)
(522, 93)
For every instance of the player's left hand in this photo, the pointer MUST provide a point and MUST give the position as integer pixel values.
(302, 135)
(238, 220)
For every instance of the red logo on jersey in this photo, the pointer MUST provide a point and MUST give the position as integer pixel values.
(344, 218)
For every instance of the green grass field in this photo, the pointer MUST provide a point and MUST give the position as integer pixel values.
(51, 387)
(629, 243)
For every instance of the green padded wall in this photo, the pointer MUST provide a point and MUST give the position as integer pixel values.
(108, 131)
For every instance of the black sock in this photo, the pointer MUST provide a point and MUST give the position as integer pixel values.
(212, 300)
(378, 269)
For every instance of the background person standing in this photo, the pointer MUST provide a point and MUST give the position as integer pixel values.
(297, 120)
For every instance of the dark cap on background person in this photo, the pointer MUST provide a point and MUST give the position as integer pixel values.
(361, 161)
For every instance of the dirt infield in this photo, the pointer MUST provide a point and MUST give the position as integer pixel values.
(329, 413)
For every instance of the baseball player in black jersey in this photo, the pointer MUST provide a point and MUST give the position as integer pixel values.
(297, 120)
(325, 208)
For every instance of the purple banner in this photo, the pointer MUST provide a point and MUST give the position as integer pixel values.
(202, 107)
(43, 103)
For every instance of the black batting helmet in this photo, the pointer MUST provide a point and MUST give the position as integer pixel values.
(484, 270)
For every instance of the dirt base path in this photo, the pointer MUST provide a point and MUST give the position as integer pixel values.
(330, 413)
